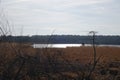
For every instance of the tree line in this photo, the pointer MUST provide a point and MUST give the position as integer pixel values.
(62, 39)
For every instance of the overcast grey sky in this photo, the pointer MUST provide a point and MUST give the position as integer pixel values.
(64, 16)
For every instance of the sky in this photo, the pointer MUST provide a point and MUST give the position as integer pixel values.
(69, 17)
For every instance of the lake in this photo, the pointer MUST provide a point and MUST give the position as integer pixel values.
(66, 45)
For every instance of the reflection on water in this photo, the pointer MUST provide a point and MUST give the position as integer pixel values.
(55, 45)
(66, 45)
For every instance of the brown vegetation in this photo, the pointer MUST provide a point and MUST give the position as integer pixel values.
(22, 62)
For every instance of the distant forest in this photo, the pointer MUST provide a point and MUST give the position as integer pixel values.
(62, 39)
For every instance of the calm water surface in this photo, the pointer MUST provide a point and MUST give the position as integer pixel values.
(66, 45)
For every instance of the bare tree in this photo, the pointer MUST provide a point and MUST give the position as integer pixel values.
(95, 59)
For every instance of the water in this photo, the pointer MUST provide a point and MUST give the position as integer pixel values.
(55, 45)
(66, 45)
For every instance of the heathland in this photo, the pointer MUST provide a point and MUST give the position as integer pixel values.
(22, 62)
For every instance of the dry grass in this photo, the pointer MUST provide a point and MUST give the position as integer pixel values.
(67, 62)
(85, 54)
(70, 53)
